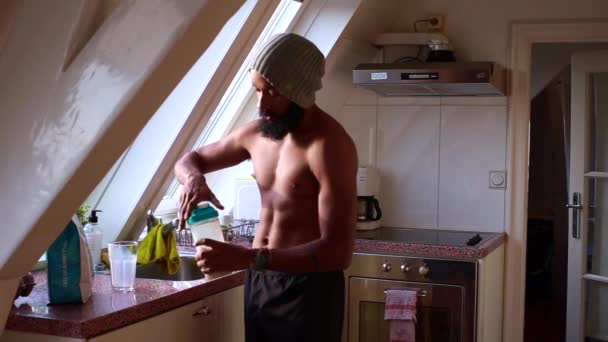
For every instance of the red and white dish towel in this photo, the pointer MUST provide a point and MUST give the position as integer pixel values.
(400, 311)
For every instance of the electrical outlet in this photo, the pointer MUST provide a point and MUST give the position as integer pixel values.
(436, 22)
(498, 179)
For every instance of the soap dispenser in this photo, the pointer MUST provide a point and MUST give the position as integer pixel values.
(94, 237)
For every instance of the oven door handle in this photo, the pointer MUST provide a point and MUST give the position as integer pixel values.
(421, 293)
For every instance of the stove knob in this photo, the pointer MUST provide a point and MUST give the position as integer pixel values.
(424, 270)
(386, 267)
(405, 268)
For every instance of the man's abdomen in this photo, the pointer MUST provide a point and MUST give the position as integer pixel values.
(289, 226)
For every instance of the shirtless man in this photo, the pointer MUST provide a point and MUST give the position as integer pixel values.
(305, 165)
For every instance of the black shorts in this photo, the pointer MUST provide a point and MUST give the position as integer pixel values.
(294, 307)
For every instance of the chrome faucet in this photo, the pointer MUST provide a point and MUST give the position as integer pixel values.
(150, 220)
(183, 237)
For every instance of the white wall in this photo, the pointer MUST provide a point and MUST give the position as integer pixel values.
(470, 138)
(479, 29)
(352, 47)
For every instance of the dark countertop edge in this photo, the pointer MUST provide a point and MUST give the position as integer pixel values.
(104, 324)
(119, 319)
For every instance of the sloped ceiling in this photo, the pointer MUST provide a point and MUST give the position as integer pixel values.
(63, 129)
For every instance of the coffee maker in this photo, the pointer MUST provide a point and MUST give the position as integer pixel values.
(368, 207)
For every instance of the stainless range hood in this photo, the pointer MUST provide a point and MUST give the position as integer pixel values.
(432, 79)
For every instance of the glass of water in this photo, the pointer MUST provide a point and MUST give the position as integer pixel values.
(123, 258)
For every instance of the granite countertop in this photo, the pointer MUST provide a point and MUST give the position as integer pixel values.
(107, 310)
(430, 249)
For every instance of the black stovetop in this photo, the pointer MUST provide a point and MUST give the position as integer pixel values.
(426, 236)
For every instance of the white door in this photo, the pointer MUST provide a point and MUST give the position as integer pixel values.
(587, 311)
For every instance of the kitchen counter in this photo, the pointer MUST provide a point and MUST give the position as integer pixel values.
(427, 243)
(108, 310)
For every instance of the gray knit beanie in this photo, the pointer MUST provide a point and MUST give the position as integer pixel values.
(293, 65)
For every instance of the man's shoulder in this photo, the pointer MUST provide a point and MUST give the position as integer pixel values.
(334, 134)
(247, 132)
(250, 128)
(333, 152)
(332, 141)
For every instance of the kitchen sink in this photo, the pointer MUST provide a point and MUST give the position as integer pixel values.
(187, 271)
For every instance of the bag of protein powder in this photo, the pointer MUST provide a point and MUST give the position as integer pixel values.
(70, 267)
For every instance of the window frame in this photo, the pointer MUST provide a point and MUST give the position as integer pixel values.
(239, 92)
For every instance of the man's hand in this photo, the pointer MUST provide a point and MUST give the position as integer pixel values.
(194, 190)
(219, 256)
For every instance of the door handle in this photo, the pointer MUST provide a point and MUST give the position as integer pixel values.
(577, 205)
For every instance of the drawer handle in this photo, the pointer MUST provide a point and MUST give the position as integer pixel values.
(204, 311)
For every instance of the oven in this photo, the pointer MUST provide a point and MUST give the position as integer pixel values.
(446, 296)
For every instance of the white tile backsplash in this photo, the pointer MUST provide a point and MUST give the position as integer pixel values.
(473, 143)
(360, 124)
(408, 161)
(362, 97)
(434, 160)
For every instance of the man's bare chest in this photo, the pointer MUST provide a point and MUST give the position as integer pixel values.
(283, 170)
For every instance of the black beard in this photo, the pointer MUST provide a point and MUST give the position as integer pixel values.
(279, 124)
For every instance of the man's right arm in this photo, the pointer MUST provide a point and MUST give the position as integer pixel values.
(190, 170)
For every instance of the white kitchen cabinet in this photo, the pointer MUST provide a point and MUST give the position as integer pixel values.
(217, 318)
(408, 163)
(360, 123)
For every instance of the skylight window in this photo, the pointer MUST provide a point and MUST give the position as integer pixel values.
(216, 87)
